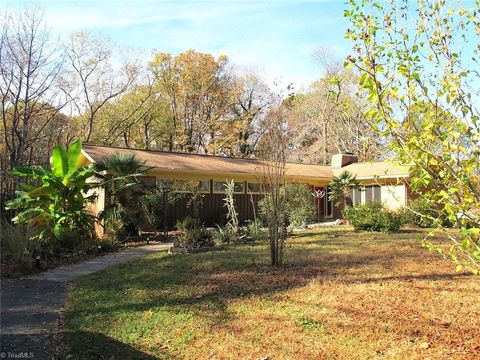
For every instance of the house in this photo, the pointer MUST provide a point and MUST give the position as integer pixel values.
(381, 181)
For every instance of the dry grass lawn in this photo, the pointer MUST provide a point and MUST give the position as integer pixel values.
(342, 295)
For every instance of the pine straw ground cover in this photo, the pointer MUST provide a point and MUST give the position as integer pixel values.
(341, 295)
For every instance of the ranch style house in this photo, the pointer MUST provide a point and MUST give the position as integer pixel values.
(385, 181)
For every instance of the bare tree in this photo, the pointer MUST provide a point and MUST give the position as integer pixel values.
(250, 102)
(329, 118)
(29, 68)
(273, 152)
(93, 80)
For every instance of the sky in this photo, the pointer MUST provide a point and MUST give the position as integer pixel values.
(274, 38)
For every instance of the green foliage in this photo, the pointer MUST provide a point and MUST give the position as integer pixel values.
(373, 216)
(300, 205)
(155, 205)
(264, 208)
(57, 207)
(253, 231)
(420, 213)
(123, 213)
(223, 234)
(418, 81)
(296, 205)
(17, 247)
(187, 223)
(193, 234)
(340, 188)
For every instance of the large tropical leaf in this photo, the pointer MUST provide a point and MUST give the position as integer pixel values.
(27, 215)
(59, 162)
(27, 172)
(43, 190)
(73, 154)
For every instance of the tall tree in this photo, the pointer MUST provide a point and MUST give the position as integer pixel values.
(29, 68)
(197, 87)
(92, 79)
(242, 130)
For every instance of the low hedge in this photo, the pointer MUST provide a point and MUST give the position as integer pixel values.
(373, 216)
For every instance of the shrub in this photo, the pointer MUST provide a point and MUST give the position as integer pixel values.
(253, 231)
(421, 213)
(123, 213)
(18, 248)
(300, 204)
(156, 205)
(187, 223)
(193, 234)
(373, 216)
(194, 238)
(223, 234)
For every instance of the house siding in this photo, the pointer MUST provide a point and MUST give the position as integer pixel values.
(212, 210)
(394, 196)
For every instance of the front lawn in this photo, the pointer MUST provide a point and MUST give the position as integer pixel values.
(341, 295)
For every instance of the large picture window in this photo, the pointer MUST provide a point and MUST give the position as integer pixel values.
(366, 194)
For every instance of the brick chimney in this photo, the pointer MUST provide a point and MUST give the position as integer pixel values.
(344, 159)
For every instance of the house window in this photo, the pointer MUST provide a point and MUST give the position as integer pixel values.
(254, 188)
(164, 183)
(356, 197)
(377, 193)
(204, 186)
(366, 194)
(219, 187)
(373, 193)
(187, 186)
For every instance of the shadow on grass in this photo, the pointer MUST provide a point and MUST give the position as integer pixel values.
(408, 278)
(85, 345)
(92, 346)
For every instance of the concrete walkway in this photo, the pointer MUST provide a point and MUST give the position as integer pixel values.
(30, 306)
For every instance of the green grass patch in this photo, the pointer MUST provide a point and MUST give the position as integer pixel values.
(340, 294)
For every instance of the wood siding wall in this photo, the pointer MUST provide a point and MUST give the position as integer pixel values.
(212, 210)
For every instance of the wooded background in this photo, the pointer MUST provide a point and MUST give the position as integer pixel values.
(88, 88)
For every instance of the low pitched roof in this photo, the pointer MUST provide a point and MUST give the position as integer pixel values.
(381, 169)
(171, 161)
(218, 165)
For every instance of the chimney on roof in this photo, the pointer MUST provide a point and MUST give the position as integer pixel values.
(344, 159)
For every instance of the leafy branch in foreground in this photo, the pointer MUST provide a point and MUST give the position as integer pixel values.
(418, 62)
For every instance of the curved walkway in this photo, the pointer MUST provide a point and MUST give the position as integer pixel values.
(30, 306)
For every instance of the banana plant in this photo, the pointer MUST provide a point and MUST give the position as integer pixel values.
(57, 208)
